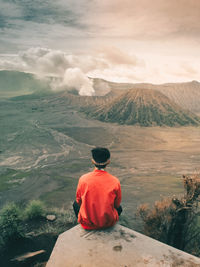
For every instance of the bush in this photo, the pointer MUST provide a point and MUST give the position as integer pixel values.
(10, 222)
(35, 209)
(176, 221)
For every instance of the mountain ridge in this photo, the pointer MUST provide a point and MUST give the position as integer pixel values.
(16, 83)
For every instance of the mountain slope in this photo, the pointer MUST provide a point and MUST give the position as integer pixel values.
(15, 83)
(143, 107)
(187, 95)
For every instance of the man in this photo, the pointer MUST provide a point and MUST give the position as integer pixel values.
(98, 194)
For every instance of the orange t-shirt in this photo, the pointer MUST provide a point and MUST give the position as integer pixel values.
(98, 194)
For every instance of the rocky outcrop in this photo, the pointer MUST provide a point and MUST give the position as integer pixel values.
(115, 247)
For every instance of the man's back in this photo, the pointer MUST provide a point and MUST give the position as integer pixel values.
(98, 194)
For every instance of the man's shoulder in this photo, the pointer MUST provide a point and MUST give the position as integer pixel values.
(114, 178)
(90, 175)
(85, 176)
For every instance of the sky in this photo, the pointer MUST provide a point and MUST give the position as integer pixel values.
(118, 40)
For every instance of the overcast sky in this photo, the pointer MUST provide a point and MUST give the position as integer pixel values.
(122, 40)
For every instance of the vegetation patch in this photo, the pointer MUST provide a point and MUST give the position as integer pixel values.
(176, 221)
(35, 209)
(26, 228)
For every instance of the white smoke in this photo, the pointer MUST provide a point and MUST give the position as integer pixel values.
(75, 79)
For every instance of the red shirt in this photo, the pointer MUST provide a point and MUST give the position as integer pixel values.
(98, 194)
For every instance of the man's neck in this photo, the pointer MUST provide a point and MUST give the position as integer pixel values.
(100, 169)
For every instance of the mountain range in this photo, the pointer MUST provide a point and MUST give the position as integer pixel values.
(145, 104)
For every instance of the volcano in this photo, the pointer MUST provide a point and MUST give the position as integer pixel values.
(144, 107)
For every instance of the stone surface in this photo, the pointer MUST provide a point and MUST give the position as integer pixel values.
(115, 247)
(51, 217)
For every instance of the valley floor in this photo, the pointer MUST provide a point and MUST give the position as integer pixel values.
(45, 148)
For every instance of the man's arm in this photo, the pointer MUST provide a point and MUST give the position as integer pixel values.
(78, 193)
(118, 197)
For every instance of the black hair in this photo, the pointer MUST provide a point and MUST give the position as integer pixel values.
(100, 155)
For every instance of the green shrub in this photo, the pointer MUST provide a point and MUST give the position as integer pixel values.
(10, 222)
(34, 209)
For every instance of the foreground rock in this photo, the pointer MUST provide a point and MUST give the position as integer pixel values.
(51, 218)
(115, 247)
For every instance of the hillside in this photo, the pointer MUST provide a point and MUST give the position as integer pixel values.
(187, 95)
(15, 83)
(145, 107)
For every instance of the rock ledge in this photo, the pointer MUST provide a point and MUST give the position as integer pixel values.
(115, 247)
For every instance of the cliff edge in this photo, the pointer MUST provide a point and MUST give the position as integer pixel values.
(118, 247)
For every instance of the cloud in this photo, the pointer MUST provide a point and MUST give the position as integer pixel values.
(146, 19)
(9, 11)
(45, 61)
(186, 69)
(26, 23)
(116, 56)
(42, 12)
(189, 68)
(45, 21)
(139, 28)
(121, 74)
(54, 62)
(71, 71)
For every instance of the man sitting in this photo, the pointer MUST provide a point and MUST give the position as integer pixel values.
(98, 194)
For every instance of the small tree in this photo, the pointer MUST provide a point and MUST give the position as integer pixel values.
(176, 221)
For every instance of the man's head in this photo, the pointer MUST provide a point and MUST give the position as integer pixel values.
(100, 157)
